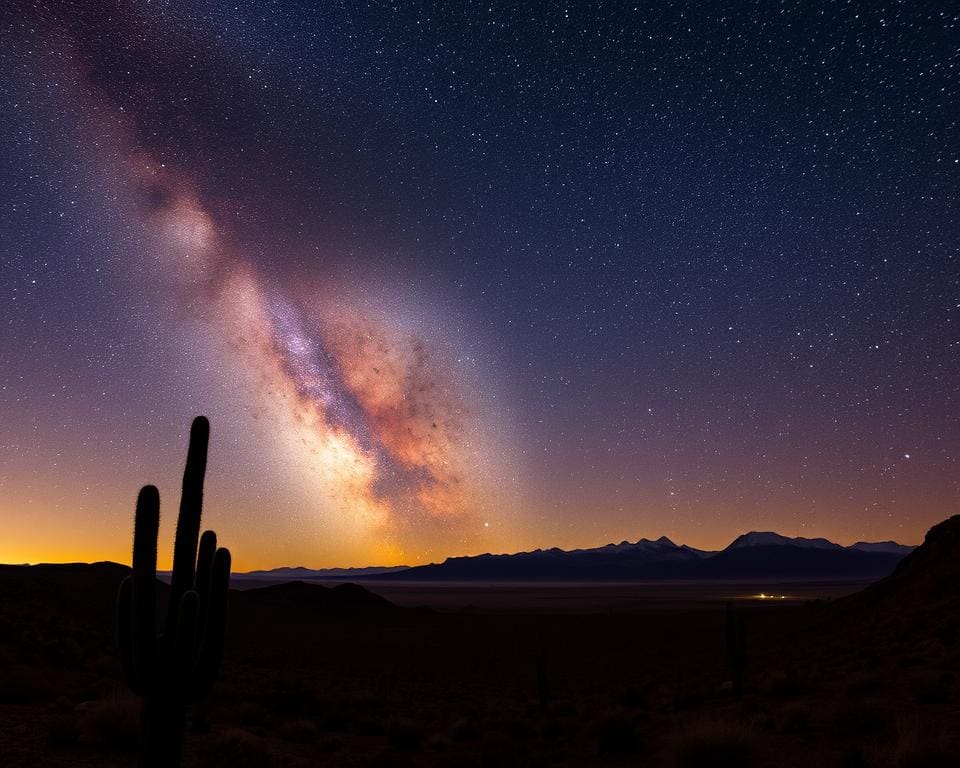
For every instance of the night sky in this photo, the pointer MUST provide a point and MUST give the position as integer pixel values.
(478, 279)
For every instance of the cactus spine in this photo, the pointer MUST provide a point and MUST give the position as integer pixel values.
(180, 664)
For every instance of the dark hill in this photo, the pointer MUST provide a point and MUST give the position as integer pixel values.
(77, 592)
(931, 570)
(84, 594)
(921, 596)
(303, 597)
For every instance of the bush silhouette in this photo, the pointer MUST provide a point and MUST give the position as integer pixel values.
(180, 664)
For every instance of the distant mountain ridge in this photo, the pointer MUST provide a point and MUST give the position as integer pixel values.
(757, 555)
(755, 538)
(769, 538)
(882, 546)
(753, 556)
(301, 573)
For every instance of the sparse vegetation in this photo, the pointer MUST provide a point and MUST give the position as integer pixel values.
(716, 745)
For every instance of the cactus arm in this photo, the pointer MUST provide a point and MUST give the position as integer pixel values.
(208, 546)
(203, 585)
(214, 627)
(143, 595)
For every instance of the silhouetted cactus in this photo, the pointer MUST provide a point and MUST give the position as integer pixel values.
(735, 649)
(180, 664)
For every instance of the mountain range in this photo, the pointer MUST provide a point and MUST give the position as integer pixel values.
(758, 555)
(300, 573)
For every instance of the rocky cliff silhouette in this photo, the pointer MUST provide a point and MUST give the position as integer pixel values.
(922, 595)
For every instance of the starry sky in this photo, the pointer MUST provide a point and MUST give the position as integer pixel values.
(476, 277)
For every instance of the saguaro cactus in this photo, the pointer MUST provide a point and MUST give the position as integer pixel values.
(735, 649)
(180, 664)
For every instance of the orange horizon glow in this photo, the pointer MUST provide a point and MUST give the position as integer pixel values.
(116, 547)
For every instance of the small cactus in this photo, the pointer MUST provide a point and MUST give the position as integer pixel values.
(179, 665)
(735, 649)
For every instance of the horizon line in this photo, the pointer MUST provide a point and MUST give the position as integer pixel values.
(478, 554)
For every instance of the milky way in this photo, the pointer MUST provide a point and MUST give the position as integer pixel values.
(377, 420)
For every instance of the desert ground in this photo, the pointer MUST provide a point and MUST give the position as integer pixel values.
(594, 597)
(508, 675)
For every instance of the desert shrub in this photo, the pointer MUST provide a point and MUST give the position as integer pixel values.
(785, 684)
(292, 700)
(517, 727)
(933, 688)
(466, 729)
(300, 730)
(335, 720)
(551, 729)
(236, 748)
(714, 745)
(437, 742)
(391, 758)
(632, 697)
(868, 686)
(690, 698)
(564, 708)
(62, 652)
(854, 756)
(921, 743)
(663, 698)
(929, 758)
(62, 730)
(8, 629)
(106, 665)
(404, 733)
(23, 684)
(111, 723)
(328, 744)
(616, 735)
(796, 719)
(459, 760)
(248, 714)
(497, 751)
(948, 632)
(864, 718)
(910, 660)
(368, 725)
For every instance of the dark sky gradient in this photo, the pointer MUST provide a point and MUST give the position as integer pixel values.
(496, 276)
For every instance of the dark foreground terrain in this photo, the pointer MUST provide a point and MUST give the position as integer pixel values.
(343, 677)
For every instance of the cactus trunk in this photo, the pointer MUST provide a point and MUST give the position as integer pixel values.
(163, 720)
